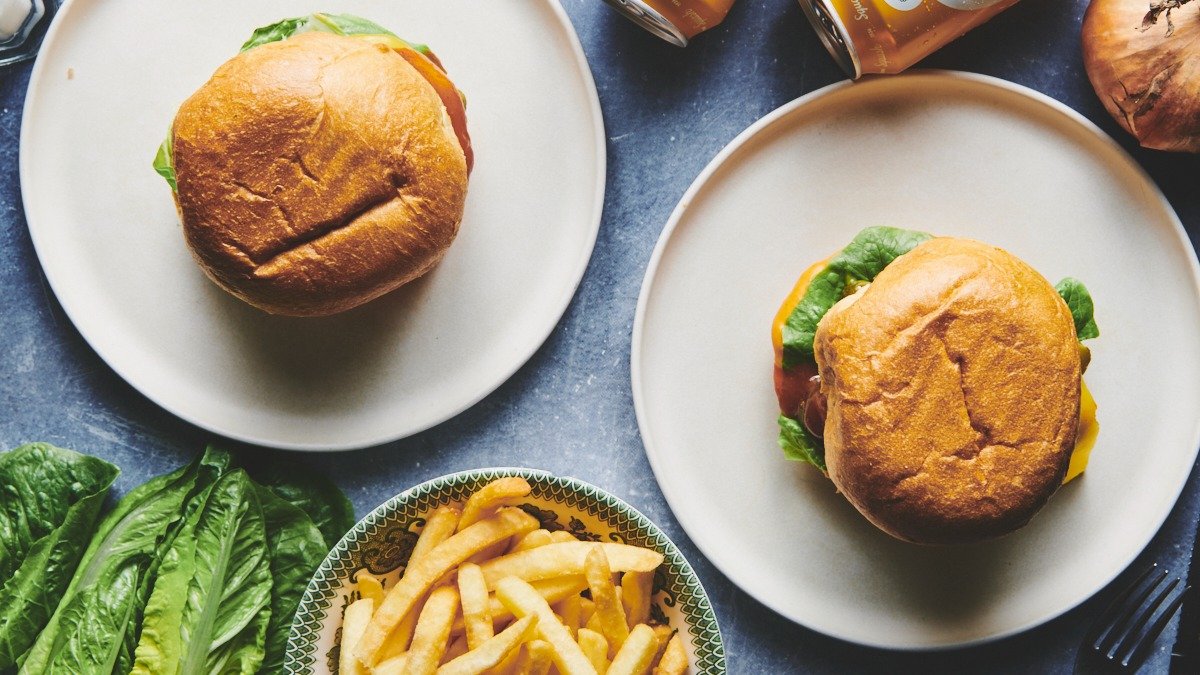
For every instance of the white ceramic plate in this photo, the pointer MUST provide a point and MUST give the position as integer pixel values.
(946, 153)
(108, 82)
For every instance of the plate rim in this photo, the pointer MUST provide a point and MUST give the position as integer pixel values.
(707, 640)
(764, 124)
(599, 136)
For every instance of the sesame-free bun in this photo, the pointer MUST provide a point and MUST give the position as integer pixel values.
(317, 173)
(953, 393)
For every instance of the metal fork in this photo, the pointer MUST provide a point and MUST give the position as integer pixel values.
(1120, 639)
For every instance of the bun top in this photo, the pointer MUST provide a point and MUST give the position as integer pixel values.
(317, 173)
(953, 392)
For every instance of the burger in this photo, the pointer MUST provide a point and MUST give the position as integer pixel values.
(937, 382)
(323, 166)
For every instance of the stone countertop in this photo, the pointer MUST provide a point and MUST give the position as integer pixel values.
(569, 410)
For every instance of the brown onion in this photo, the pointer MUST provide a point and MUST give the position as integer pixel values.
(1143, 58)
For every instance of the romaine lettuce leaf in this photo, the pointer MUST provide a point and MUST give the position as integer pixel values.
(863, 258)
(798, 444)
(164, 161)
(50, 499)
(116, 572)
(1079, 301)
(280, 30)
(210, 605)
(296, 548)
(321, 500)
(88, 648)
(338, 24)
(198, 571)
(346, 24)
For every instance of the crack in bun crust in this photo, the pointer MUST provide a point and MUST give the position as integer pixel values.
(953, 392)
(317, 173)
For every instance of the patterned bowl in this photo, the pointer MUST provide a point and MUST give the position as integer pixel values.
(382, 542)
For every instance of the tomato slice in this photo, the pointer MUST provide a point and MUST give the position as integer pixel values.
(429, 68)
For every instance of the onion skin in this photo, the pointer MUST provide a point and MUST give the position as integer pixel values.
(1148, 79)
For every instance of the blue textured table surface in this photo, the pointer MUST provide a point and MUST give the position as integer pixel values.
(569, 410)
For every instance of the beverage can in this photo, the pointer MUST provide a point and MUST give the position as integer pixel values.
(887, 36)
(676, 21)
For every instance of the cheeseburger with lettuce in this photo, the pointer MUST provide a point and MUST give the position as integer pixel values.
(937, 381)
(323, 166)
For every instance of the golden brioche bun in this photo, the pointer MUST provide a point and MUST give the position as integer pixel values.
(317, 173)
(953, 390)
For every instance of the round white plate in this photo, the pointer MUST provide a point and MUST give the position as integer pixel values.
(102, 95)
(952, 154)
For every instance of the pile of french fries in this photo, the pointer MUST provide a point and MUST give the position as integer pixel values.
(486, 591)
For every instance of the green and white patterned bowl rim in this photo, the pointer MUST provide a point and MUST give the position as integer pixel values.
(382, 540)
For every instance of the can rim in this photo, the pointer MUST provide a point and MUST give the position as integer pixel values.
(831, 29)
(649, 18)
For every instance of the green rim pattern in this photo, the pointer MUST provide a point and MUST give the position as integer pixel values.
(680, 587)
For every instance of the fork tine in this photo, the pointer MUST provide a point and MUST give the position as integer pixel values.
(1134, 629)
(1113, 617)
(1142, 649)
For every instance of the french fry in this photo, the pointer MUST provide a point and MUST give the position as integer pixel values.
(392, 666)
(593, 623)
(569, 610)
(662, 634)
(523, 601)
(432, 632)
(508, 665)
(636, 654)
(439, 526)
(674, 659)
(533, 540)
(587, 609)
(553, 590)
(473, 592)
(609, 614)
(489, 654)
(541, 657)
(595, 648)
(636, 591)
(522, 664)
(457, 648)
(420, 576)
(400, 638)
(566, 558)
(500, 492)
(562, 536)
(369, 587)
(354, 622)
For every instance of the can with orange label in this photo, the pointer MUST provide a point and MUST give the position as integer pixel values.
(675, 21)
(887, 36)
